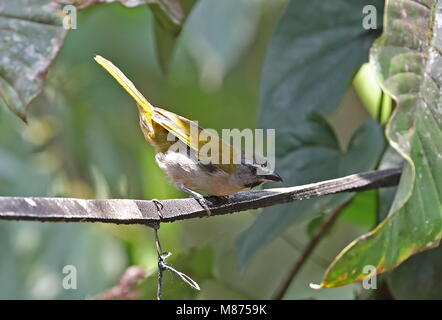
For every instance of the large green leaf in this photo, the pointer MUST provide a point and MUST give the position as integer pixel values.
(419, 277)
(31, 34)
(408, 60)
(316, 47)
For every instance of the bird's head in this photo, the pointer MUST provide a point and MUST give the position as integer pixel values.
(251, 173)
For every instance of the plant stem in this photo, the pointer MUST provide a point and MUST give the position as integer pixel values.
(308, 250)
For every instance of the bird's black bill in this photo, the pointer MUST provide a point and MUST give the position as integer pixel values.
(273, 177)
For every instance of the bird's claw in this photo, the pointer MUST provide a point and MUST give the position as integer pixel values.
(201, 200)
(203, 204)
(160, 208)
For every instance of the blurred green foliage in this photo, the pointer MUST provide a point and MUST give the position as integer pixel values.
(83, 140)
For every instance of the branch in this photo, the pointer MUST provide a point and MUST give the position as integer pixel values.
(125, 211)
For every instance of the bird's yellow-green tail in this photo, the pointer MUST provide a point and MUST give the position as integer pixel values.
(126, 84)
(161, 122)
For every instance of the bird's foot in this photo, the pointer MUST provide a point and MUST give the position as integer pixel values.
(203, 204)
(160, 208)
(198, 197)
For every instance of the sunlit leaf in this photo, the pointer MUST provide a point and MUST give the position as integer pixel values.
(408, 60)
(368, 89)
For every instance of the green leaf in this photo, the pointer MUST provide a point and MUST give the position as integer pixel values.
(31, 34)
(366, 85)
(316, 47)
(408, 61)
(217, 34)
(418, 277)
(377, 103)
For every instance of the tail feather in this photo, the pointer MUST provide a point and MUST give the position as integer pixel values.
(126, 84)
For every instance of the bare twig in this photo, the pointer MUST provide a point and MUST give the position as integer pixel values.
(308, 250)
(125, 211)
(319, 260)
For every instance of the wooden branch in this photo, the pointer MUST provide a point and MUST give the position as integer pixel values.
(125, 211)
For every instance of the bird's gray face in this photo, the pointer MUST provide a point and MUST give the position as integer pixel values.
(252, 174)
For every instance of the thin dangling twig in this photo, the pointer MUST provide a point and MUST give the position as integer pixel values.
(160, 262)
(162, 266)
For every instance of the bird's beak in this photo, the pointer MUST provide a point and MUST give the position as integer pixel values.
(273, 177)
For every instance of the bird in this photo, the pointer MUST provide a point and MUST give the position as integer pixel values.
(222, 171)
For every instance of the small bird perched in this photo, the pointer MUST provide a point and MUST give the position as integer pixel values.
(177, 144)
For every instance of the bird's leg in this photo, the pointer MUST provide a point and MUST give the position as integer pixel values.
(198, 197)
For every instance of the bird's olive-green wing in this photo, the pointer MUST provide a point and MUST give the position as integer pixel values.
(209, 147)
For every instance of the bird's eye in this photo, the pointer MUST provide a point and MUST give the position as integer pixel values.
(264, 165)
